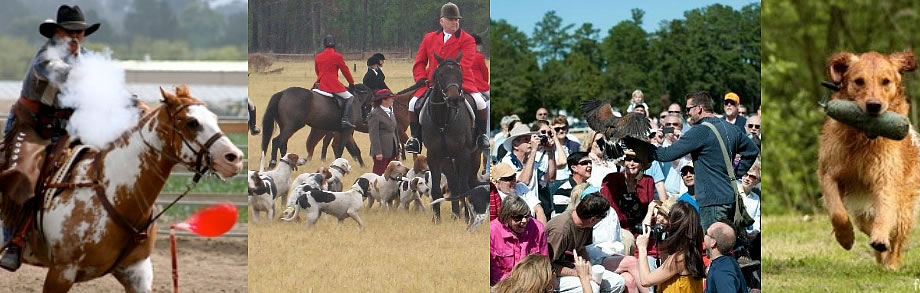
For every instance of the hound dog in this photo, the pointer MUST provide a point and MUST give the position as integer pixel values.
(874, 180)
(271, 185)
(384, 188)
(315, 202)
(336, 173)
(410, 190)
(478, 198)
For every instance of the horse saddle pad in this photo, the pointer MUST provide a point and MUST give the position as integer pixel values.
(270, 187)
(64, 163)
(323, 93)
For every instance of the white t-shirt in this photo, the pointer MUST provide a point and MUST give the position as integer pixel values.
(531, 192)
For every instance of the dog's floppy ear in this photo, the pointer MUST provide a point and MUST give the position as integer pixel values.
(302, 201)
(905, 61)
(838, 65)
(414, 184)
(364, 184)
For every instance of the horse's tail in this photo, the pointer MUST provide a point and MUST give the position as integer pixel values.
(268, 120)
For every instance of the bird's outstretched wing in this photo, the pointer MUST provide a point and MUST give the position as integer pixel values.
(598, 115)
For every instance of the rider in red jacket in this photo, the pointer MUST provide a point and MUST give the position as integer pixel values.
(327, 65)
(480, 70)
(449, 42)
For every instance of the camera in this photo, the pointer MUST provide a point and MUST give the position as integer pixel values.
(667, 130)
(544, 140)
(657, 232)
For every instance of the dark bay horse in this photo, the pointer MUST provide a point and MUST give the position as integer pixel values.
(99, 223)
(447, 130)
(296, 107)
(400, 108)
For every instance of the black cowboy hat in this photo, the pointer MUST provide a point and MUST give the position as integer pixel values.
(69, 18)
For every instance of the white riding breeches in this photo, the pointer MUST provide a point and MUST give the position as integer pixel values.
(480, 101)
(412, 104)
(344, 95)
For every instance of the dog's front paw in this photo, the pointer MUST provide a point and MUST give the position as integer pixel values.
(845, 237)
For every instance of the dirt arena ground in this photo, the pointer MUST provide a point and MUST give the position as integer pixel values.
(205, 265)
(396, 252)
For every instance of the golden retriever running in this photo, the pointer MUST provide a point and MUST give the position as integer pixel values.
(876, 180)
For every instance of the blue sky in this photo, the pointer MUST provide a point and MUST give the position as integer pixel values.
(602, 14)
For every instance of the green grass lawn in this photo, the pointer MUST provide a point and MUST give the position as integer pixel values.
(801, 255)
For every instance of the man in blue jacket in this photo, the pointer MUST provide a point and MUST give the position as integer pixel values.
(713, 187)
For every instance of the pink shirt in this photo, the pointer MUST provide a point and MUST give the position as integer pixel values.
(507, 249)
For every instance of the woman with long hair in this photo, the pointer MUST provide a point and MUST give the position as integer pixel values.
(534, 274)
(682, 269)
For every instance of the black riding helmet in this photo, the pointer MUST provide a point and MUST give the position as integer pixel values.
(329, 41)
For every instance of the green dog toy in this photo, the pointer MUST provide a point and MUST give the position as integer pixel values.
(889, 124)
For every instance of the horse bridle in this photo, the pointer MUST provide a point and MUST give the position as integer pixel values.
(442, 88)
(202, 155)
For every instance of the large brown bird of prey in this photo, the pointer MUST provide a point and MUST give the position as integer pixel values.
(630, 131)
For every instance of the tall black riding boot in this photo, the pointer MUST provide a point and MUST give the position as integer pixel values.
(482, 126)
(253, 129)
(414, 145)
(346, 114)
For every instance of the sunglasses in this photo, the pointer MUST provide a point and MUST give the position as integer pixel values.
(544, 132)
(663, 116)
(630, 159)
(730, 103)
(520, 218)
(542, 114)
(686, 172)
(560, 129)
(753, 126)
(742, 113)
(584, 163)
(674, 124)
(690, 108)
(508, 178)
(674, 112)
(752, 176)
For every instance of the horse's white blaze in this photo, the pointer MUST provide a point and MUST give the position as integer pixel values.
(208, 122)
(139, 275)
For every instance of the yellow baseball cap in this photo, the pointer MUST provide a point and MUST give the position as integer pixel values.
(733, 97)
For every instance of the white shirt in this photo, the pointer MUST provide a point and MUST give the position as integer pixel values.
(446, 37)
(752, 205)
(530, 194)
(387, 110)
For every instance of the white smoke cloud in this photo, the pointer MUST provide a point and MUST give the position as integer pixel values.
(95, 88)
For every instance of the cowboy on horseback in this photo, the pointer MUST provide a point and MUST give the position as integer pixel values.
(327, 65)
(37, 121)
(449, 42)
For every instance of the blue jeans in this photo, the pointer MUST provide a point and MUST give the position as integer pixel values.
(10, 120)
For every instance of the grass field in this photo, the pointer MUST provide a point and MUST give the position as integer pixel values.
(396, 252)
(801, 255)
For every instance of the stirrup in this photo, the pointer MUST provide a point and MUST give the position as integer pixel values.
(346, 125)
(482, 141)
(12, 258)
(413, 146)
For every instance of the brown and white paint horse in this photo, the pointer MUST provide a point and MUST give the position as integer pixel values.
(78, 239)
